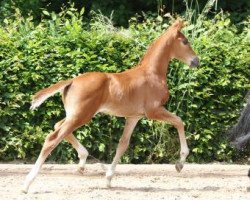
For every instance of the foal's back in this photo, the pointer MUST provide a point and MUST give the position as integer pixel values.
(119, 94)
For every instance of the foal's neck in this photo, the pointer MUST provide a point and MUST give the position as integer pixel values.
(157, 56)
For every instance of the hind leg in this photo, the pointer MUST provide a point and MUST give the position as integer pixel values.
(51, 141)
(81, 150)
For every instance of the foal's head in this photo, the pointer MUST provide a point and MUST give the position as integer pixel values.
(181, 48)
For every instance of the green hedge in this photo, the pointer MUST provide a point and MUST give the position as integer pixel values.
(208, 99)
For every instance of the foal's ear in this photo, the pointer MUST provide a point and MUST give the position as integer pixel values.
(176, 27)
(178, 24)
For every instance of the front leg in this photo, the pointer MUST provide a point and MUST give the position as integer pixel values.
(122, 146)
(162, 114)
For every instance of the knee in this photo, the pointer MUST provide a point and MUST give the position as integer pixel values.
(178, 123)
(185, 152)
(124, 142)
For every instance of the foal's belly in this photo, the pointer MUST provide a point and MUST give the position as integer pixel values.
(123, 110)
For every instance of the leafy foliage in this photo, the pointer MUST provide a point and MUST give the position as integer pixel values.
(123, 10)
(62, 46)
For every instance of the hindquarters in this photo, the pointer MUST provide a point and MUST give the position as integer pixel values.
(84, 96)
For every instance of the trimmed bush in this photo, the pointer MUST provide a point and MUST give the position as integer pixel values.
(208, 99)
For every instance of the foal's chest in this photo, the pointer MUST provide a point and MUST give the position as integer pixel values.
(158, 92)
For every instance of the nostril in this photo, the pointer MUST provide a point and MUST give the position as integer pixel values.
(195, 62)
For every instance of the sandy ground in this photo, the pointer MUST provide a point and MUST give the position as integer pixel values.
(215, 181)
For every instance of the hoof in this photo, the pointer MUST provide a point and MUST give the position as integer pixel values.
(178, 166)
(24, 191)
(108, 182)
(109, 176)
(80, 170)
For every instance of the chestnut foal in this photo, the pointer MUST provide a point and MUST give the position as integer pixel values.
(138, 92)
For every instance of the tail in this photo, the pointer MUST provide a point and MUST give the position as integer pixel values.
(44, 94)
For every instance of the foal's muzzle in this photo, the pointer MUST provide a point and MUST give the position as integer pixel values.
(195, 62)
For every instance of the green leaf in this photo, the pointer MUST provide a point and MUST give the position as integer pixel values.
(45, 12)
(101, 147)
(82, 11)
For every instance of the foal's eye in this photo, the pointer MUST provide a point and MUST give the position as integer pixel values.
(185, 41)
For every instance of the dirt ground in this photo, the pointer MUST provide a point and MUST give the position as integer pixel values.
(142, 182)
